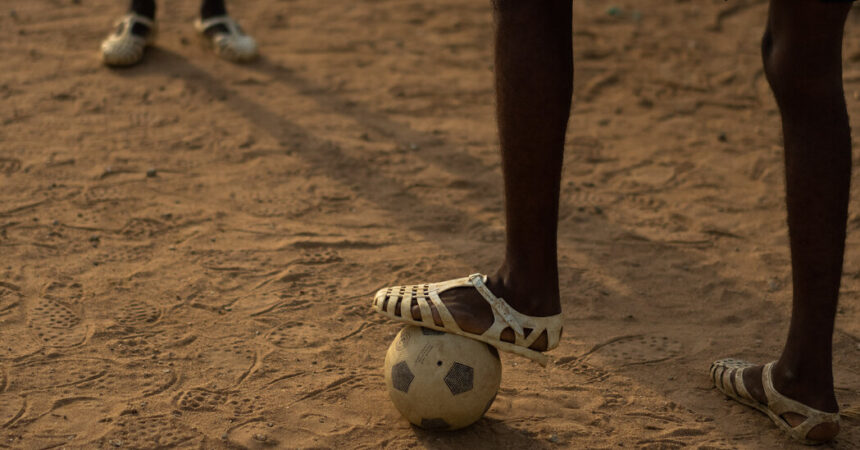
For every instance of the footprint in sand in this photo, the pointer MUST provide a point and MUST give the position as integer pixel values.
(109, 193)
(133, 347)
(268, 203)
(198, 399)
(55, 324)
(138, 312)
(148, 432)
(633, 350)
(245, 406)
(11, 408)
(147, 344)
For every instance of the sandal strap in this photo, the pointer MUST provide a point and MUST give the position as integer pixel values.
(397, 302)
(781, 404)
(230, 23)
(133, 18)
(499, 305)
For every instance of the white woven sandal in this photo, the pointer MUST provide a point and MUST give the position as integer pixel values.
(123, 48)
(234, 45)
(396, 302)
(727, 375)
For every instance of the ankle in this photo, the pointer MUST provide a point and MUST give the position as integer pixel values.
(145, 8)
(809, 384)
(531, 294)
(212, 8)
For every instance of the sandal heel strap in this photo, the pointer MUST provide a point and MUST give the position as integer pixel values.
(143, 20)
(781, 404)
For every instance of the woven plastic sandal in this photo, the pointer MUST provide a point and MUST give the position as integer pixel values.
(727, 375)
(123, 48)
(396, 303)
(234, 45)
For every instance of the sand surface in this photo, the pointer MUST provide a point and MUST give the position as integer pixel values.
(224, 301)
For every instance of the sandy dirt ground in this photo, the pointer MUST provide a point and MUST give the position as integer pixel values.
(188, 248)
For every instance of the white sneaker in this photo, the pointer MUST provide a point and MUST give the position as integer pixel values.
(123, 48)
(234, 45)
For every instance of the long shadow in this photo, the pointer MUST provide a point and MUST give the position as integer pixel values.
(433, 149)
(325, 155)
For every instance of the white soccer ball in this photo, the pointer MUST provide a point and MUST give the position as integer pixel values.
(441, 381)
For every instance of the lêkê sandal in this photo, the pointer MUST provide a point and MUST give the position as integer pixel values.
(396, 303)
(233, 45)
(727, 375)
(124, 48)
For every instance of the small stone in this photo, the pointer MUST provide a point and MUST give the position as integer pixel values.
(554, 439)
(270, 424)
(261, 437)
(774, 285)
(722, 137)
(151, 173)
(94, 238)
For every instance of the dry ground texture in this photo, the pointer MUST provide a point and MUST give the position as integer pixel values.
(188, 248)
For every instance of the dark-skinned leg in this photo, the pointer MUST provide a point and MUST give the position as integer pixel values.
(213, 8)
(802, 52)
(534, 77)
(145, 8)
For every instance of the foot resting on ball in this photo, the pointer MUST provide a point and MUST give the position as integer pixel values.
(509, 330)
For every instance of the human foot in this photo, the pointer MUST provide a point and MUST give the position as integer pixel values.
(813, 418)
(471, 307)
(126, 45)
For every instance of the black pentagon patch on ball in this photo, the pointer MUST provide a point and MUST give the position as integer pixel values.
(401, 376)
(459, 378)
(430, 332)
(434, 424)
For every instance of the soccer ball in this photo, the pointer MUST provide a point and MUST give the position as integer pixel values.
(441, 381)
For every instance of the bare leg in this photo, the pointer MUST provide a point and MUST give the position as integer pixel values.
(143, 7)
(802, 51)
(534, 77)
(213, 8)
